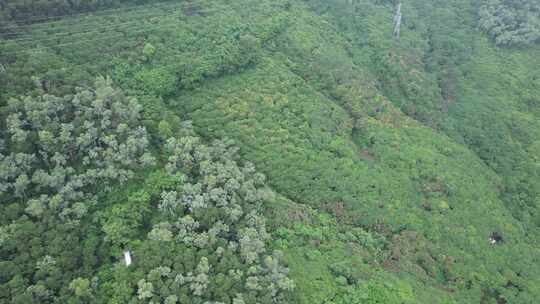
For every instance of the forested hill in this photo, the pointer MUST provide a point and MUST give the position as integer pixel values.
(270, 151)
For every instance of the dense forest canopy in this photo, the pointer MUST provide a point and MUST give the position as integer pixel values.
(511, 22)
(270, 151)
(64, 156)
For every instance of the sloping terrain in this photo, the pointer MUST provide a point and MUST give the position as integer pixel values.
(397, 170)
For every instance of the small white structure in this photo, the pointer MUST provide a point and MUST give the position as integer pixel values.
(397, 21)
(127, 257)
(492, 240)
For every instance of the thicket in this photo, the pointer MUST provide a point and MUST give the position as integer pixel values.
(392, 162)
(195, 227)
(511, 22)
(59, 154)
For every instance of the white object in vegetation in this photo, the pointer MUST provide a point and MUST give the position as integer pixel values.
(127, 258)
(397, 21)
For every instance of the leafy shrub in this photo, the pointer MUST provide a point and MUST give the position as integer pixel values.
(157, 81)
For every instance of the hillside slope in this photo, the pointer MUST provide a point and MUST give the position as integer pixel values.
(392, 162)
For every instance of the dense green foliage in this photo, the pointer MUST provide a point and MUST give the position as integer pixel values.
(391, 164)
(511, 22)
(59, 155)
(205, 237)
